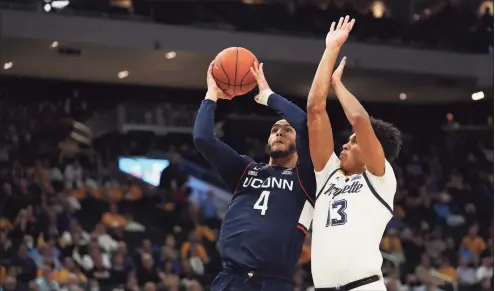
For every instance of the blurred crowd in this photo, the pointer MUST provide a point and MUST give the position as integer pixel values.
(450, 25)
(69, 220)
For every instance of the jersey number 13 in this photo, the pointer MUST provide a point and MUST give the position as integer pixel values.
(336, 213)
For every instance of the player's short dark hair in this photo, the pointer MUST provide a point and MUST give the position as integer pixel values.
(389, 136)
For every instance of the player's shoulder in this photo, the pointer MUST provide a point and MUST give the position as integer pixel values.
(248, 158)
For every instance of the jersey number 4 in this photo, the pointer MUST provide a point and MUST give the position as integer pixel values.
(262, 203)
(336, 213)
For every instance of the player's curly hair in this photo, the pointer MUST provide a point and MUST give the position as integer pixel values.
(389, 136)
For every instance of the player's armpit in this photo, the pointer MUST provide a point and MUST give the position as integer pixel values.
(225, 160)
(332, 164)
(384, 185)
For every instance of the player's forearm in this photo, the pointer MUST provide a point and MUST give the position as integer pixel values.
(352, 107)
(320, 88)
(289, 111)
(204, 124)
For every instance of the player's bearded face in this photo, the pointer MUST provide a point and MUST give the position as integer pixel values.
(282, 140)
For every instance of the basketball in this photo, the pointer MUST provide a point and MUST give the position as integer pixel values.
(231, 70)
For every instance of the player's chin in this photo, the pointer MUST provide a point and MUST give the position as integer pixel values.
(278, 153)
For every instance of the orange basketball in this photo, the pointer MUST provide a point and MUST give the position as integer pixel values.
(231, 70)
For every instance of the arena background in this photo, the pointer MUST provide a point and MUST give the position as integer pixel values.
(97, 97)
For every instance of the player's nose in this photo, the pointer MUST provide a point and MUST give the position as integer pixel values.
(345, 146)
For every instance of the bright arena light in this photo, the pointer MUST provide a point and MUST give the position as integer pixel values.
(123, 74)
(54, 44)
(8, 65)
(60, 4)
(170, 55)
(478, 96)
(47, 7)
(402, 96)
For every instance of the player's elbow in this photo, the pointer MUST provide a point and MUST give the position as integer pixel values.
(316, 108)
(200, 140)
(358, 118)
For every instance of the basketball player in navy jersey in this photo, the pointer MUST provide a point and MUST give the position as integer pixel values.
(264, 229)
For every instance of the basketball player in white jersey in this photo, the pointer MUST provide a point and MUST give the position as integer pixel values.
(355, 190)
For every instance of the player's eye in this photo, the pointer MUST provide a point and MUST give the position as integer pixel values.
(288, 129)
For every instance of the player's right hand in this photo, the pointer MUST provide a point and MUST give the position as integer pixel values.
(337, 74)
(214, 92)
(337, 35)
(264, 89)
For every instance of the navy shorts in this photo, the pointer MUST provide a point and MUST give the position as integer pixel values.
(229, 280)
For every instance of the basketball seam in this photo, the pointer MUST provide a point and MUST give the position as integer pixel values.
(220, 81)
(252, 63)
(226, 75)
(235, 72)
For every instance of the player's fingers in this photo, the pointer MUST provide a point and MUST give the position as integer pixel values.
(255, 75)
(346, 20)
(332, 27)
(350, 25)
(339, 25)
(210, 69)
(343, 61)
(262, 73)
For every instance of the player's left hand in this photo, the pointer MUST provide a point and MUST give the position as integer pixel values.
(339, 32)
(259, 76)
(337, 74)
(214, 92)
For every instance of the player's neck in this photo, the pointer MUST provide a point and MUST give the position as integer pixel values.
(287, 162)
(354, 171)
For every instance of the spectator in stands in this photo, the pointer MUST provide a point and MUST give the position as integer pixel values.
(73, 175)
(72, 284)
(9, 284)
(465, 272)
(147, 271)
(447, 270)
(69, 269)
(118, 273)
(193, 248)
(473, 242)
(112, 219)
(6, 247)
(391, 244)
(485, 270)
(25, 267)
(45, 282)
(99, 271)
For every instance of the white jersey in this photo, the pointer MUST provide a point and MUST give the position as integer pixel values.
(350, 216)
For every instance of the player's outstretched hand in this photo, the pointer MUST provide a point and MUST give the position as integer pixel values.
(337, 74)
(214, 92)
(339, 32)
(264, 89)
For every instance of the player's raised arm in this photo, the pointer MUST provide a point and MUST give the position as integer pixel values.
(287, 110)
(371, 149)
(226, 161)
(320, 130)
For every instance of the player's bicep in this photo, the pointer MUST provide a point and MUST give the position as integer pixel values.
(320, 138)
(384, 186)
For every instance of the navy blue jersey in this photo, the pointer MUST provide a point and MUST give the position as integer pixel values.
(267, 220)
(271, 209)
